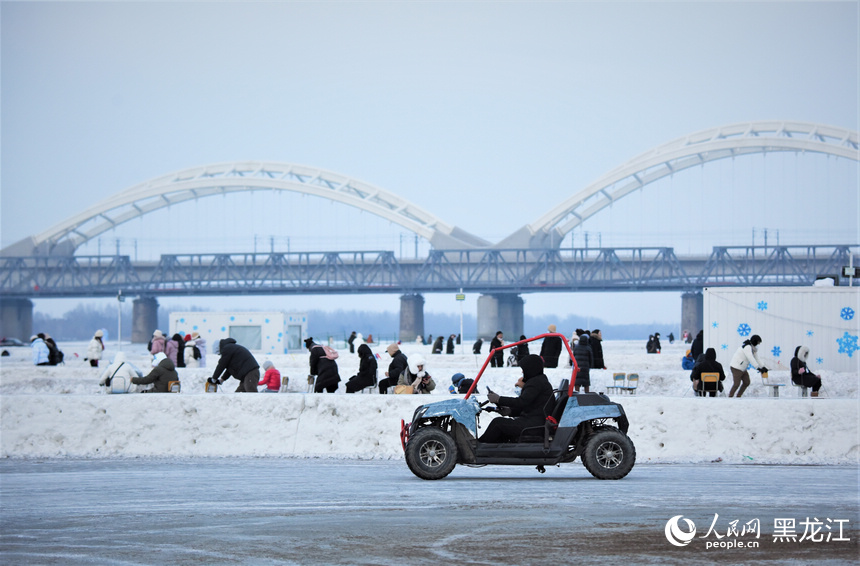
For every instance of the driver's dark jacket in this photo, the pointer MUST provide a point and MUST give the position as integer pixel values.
(532, 404)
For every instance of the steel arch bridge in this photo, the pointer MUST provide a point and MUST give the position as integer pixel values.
(689, 151)
(546, 232)
(218, 179)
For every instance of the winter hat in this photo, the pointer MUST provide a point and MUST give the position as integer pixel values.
(803, 353)
(711, 355)
(158, 334)
(415, 362)
(551, 328)
(119, 358)
(99, 333)
(532, 366)
(33, 338)
(158, 357)
(309, 342)
(194, 336)
(188, 338)
(268, 364)
(457, 378)
(392, 349)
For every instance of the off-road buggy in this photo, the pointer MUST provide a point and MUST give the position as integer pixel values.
(587, 425)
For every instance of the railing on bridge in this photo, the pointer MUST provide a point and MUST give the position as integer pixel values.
(485, 271)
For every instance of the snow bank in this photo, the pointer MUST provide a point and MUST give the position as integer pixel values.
(367, 426)
(60, 412)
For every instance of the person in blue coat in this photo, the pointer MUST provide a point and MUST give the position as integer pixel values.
(688, 362)
(40, 351)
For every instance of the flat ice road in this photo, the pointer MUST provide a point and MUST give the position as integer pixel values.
(322, 511)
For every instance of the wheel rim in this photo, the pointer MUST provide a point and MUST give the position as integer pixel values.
(432, 453)
(610, 454)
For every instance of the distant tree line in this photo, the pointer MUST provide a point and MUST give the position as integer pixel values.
(81, 322)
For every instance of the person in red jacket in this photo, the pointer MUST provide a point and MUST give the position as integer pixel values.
(271, 379)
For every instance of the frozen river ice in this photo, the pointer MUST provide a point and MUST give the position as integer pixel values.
(325, 511)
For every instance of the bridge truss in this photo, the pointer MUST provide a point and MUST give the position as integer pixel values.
(484, 271)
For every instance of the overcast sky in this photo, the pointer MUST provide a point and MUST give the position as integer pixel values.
(485, 114)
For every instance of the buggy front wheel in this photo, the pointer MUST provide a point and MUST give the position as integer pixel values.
(431, 453)
(609, 455)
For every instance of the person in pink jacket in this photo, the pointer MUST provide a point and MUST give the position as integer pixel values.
(271, 379)
(156, 345)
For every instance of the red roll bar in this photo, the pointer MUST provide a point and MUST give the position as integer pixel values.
(512, 344)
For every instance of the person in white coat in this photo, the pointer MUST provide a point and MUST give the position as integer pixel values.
(200, 342)
(190, 360)
(744, 357)
(95, 349)
(120, 368)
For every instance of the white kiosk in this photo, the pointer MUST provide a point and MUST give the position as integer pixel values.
(270, 332)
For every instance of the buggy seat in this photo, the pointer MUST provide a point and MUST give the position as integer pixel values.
(544, 433)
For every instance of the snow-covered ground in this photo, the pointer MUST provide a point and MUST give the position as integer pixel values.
(61, 411)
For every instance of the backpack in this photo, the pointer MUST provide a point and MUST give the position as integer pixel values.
(196, 352)
(330, 352)
(55, 356)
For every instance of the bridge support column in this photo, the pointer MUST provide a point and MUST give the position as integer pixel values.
(500, 312)
(144, 319)
(411, 317)
(692, 312)
(16, 319)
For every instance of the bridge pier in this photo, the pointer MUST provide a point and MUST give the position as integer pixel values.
(500, 312)
(411, 316)
(16, 319)
(692, 312)
(144, 319)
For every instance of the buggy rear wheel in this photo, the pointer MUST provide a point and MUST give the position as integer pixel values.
(431, 453)
(609, 455)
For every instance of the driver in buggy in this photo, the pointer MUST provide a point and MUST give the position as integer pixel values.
(527, 410)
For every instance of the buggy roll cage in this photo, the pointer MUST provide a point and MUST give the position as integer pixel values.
(512, 344)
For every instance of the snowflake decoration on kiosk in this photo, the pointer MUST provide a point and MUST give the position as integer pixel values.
(776, 351)
(762, 305)
(847, 313)
(744, 329)
(848, 344)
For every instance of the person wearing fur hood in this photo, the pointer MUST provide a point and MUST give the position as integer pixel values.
(800, 374)
(415, 376)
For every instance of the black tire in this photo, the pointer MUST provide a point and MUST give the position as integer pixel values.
(431, 453)
(609, 455)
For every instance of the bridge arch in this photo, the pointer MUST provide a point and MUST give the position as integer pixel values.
(689, 151)
(218, 179)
